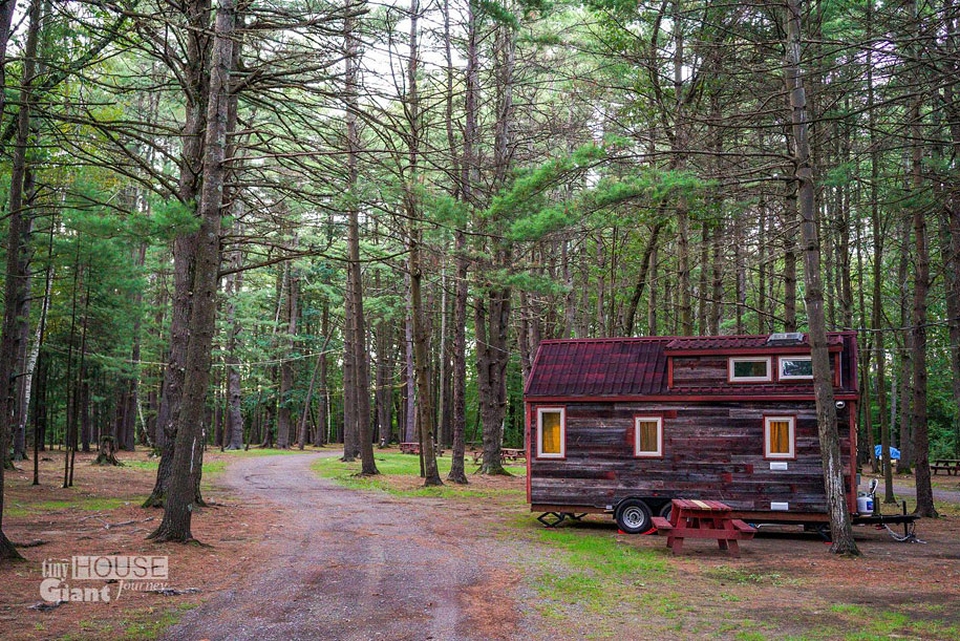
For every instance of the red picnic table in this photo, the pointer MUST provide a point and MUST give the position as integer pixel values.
(695, 519)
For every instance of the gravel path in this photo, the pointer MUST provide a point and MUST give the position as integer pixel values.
(344, 565)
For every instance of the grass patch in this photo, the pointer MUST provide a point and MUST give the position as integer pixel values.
(607, 556)
(149, 464)
(90, 504)
(149, 623)
(394, 466)
(212, 469)
(602, 576)
(871, 624)
(728, 574)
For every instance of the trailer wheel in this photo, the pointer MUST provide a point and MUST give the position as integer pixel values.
(666, 509)
(633, 516)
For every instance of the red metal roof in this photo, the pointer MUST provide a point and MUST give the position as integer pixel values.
(634, 367)
(599, 367)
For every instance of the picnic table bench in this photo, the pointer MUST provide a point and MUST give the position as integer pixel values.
(506, 454)
(949, 465)
(696, 519)
(413, 447)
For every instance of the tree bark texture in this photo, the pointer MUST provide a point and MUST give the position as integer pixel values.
(195, 86)
(14, 281)
(178, 510)
(840, 521)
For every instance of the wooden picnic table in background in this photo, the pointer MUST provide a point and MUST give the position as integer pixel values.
(413, 447)
(949, 465)
(507, 454)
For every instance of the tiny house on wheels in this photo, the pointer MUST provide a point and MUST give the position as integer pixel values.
(624, 425)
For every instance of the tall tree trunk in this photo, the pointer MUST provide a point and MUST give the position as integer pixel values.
(679, 147)
(421, 330)
(457, 472)
(492, 308)
(182, 498)
(492, 314)
(21, 405)
(384, 380)
(648, 251)
(360, 383)
(790, 270)
(764, 320)
(127, 430)
(878, 230)
(740, 269)
(234, 432)
(323, 415)
(833, 479)
(14, 294)
(951, 215)
(468, 170)
(918, 330)
(35, 365)
(302, 430)
(196, 90)
(290, 314)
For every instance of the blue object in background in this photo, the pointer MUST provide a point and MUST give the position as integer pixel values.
(894, 452)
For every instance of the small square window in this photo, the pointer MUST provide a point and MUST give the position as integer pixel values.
(779, 437)
(551, 432)
(796, 367)
(648, 436)
(749, 370)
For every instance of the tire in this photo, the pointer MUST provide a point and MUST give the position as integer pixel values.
(666, 509)
(633, 516)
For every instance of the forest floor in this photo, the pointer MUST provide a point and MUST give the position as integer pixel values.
(286, 554)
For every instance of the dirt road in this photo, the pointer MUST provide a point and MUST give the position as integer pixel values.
(343, 566)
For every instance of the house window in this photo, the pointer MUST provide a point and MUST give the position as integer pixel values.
(551, 432)
(648, 440)
(796, 367)
(779, 435)
(749, 370)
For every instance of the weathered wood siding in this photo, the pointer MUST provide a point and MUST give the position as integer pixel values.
(710, 371)
(711, 451)
(696, 371)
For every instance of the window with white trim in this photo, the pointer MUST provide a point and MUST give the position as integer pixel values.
(779, 437)
(551, 432)
(796, 368)
(749, 370)
(648, 437)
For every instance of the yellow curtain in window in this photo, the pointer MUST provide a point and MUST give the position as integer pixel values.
(779, 437)
(550, 426)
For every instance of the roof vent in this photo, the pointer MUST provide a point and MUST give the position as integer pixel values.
(786, 338)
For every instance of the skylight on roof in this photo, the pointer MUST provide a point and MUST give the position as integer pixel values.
(785, 338)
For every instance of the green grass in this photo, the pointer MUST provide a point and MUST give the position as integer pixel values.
(212, 469)
(601, 575)
(140, 624)
(394, 464)
(863, 623)
(607, 556)
(91, 504)
(728, 574)
(149, 464)
(150, 624)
